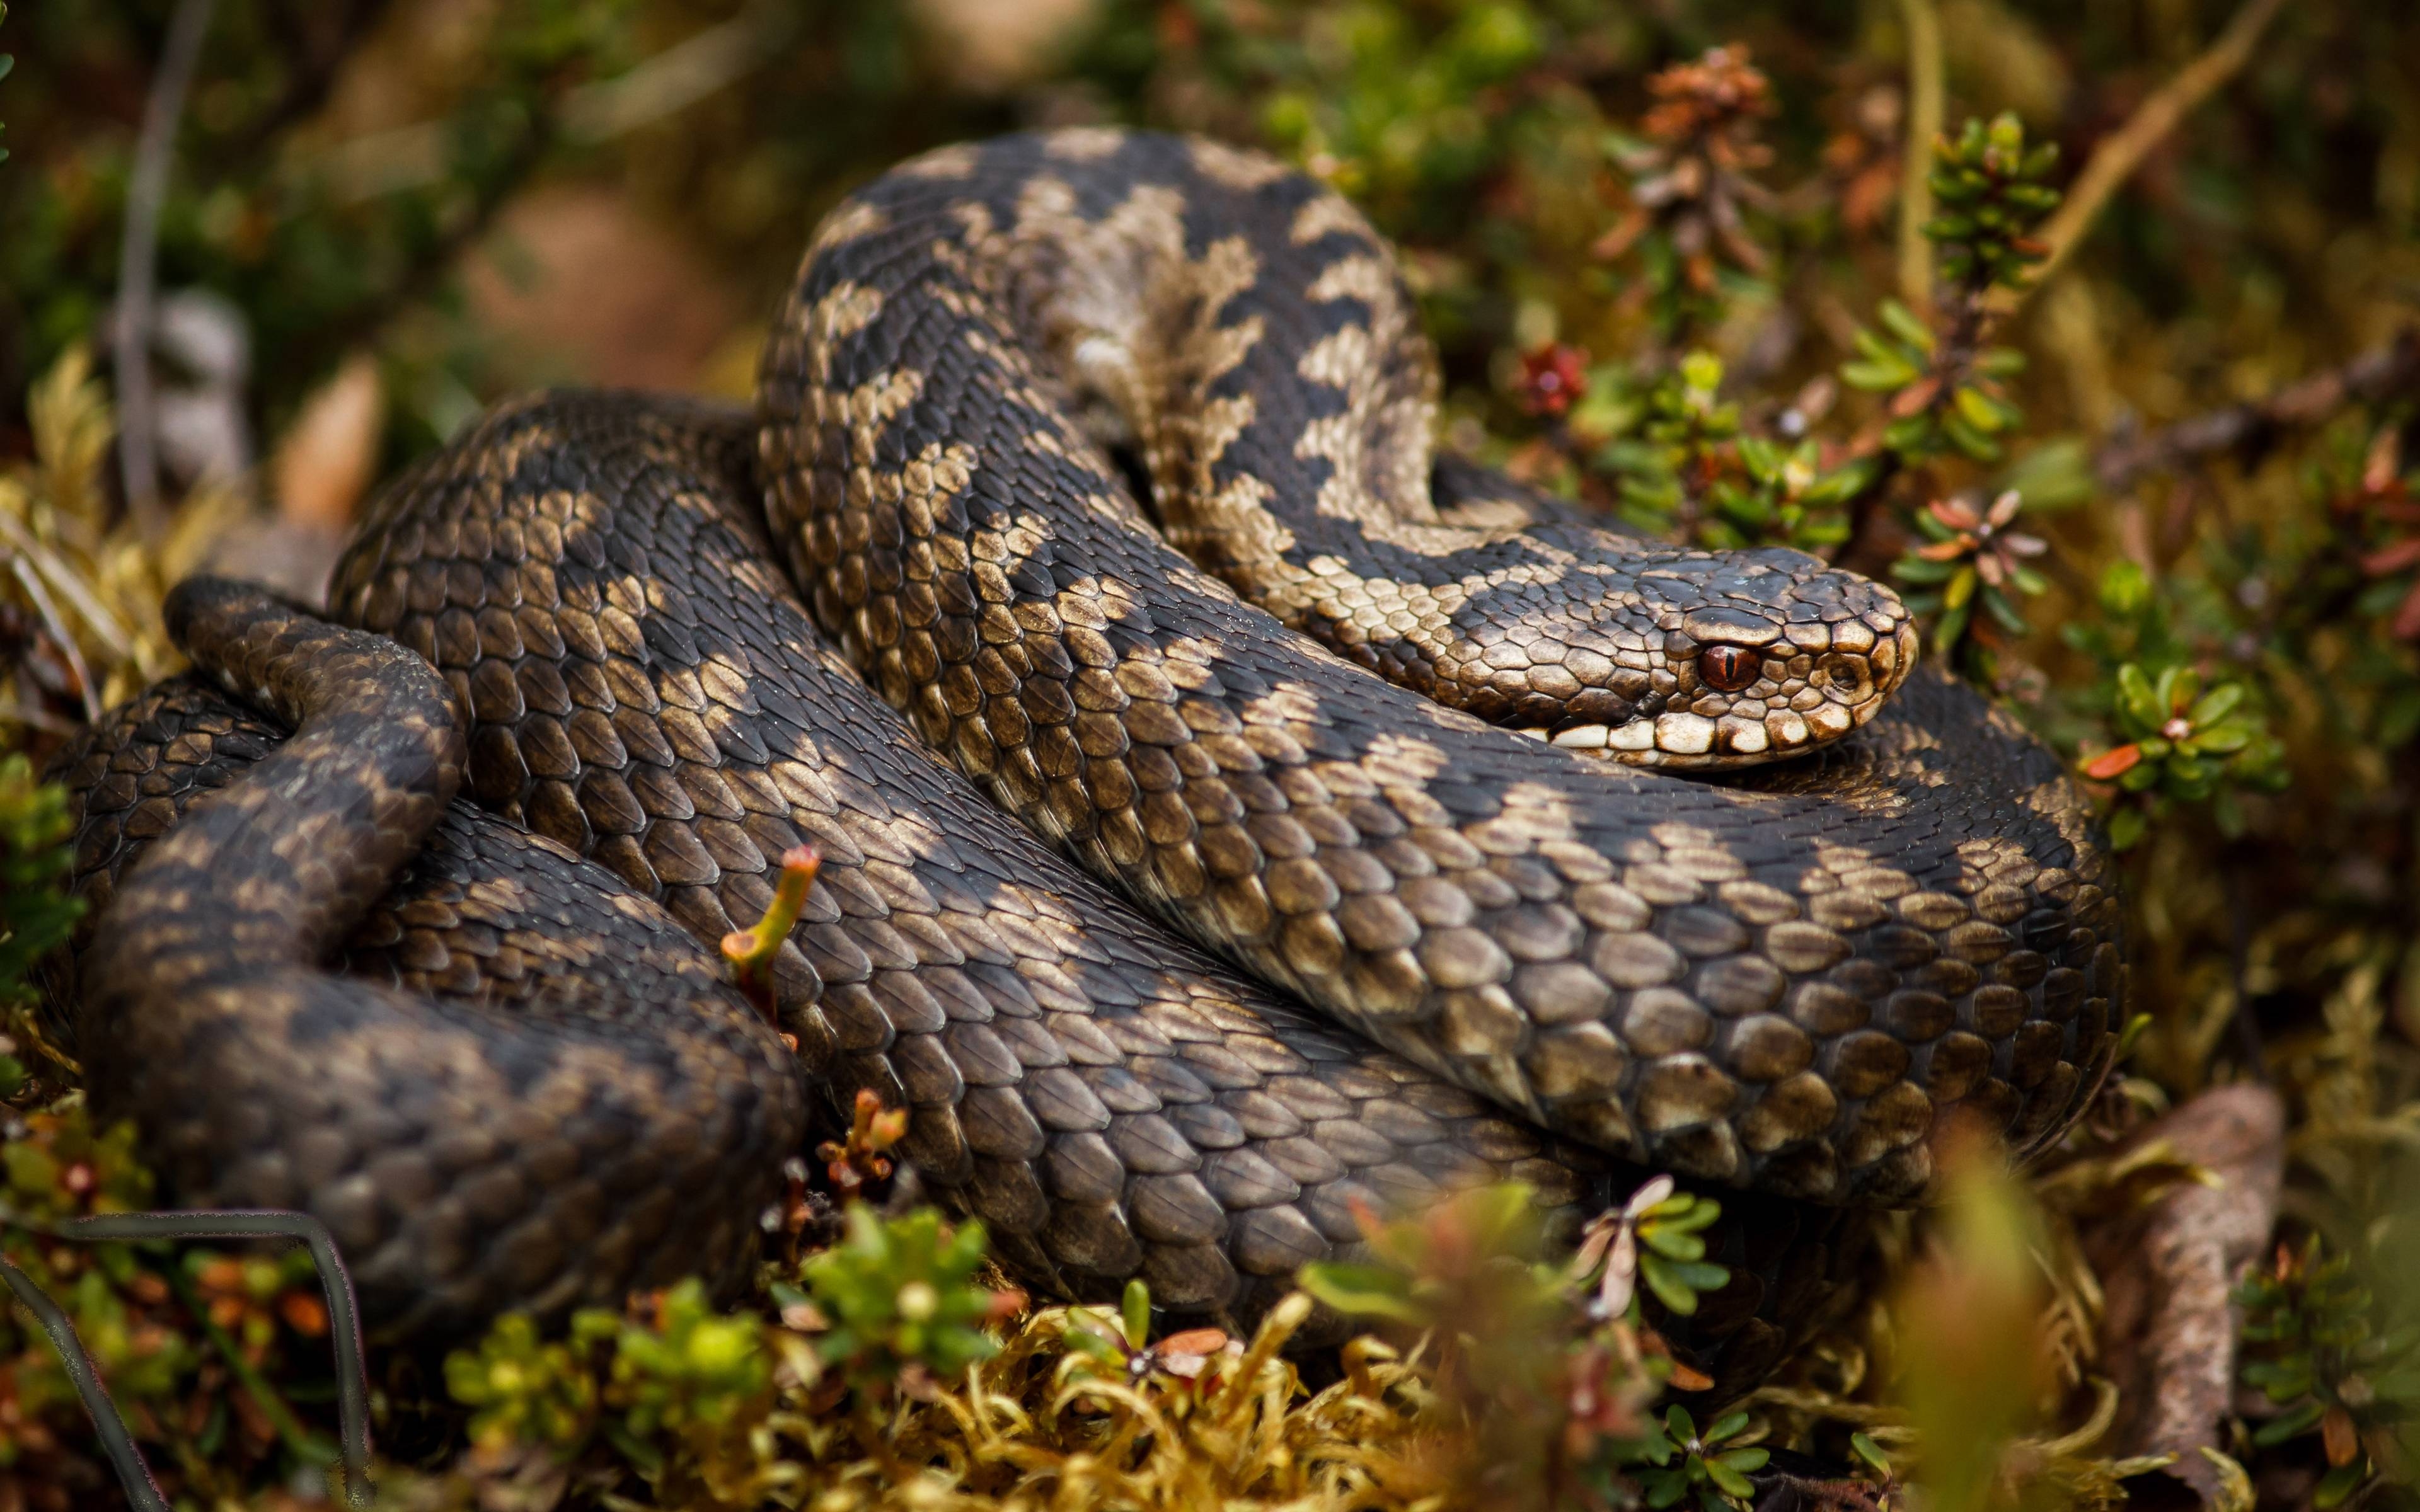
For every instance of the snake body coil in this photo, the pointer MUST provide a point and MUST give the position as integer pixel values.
(1774, 982)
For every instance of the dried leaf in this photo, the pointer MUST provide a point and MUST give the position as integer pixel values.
(2168, 1331)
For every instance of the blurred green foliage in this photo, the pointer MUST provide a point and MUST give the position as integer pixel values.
(901, 1296)
(35, 911)
(218, 1362)
(2315, 1348)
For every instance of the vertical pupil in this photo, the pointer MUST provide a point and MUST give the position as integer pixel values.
(1729, 667)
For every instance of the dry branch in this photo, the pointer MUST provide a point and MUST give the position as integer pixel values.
(138, 263)
(2247, 429)
(2118, 154)
(2168, 1332)
(1924, 110)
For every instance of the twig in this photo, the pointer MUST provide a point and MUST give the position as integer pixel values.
(678, 77)
(2118, 154)
(138, 261)
(65, 638)
(102, 622)
(2246, 428)
(324, 348)
(364, 168)
(133, 1473)
(1924, 111)
(335, 1282)
(343, 1316)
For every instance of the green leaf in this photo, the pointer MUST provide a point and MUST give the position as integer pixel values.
(1843, 484)
(2125, 588)
(1729, 1479)
(1724, 1426)
(2137, 699)
(1877, 377)
(1974, 444)
(1871, 1452)
(1137, 1314)
(2290, 1424)
(2126, 829)
(2340, 1483)
(2216, 704)
(1362, 1291)
(1905, 326)
(1670, 1287)
(2222, 739)
(1762, 458)
(1953, 625)
(1977, 410)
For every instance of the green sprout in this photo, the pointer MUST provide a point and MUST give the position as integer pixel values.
(1946, 394)
(1658, 1237)
(902, 1299)
(1970, 557)
(1689, 468)
(1946, 387)
(2183, 745)
(1123, 1345)
(685, 1366)
(524, 1390)
(1992, 189)
(36, 913)
(1711, 1466)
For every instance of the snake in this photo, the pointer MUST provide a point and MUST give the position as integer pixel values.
(1235, 820)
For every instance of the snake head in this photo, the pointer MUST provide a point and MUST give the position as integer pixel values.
(1701, 661)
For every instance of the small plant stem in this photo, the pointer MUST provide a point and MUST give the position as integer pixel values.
(1924, 111)
(2377, 376)
(2119, 153)
(344, 1315)
(138, 264)
(133, 1475)
(751, 952)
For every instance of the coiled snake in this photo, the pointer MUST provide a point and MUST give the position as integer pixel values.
(528, 1088)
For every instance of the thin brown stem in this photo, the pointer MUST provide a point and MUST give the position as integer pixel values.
(1924, 114)
(2119, 153)
(2246, 429)
(138, 263)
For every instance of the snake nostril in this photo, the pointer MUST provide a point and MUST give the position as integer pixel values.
(1853, 675)
(1729, 668)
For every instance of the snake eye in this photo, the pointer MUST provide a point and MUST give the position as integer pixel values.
(1728, 669)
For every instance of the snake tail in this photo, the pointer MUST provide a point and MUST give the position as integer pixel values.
(618, 1123)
